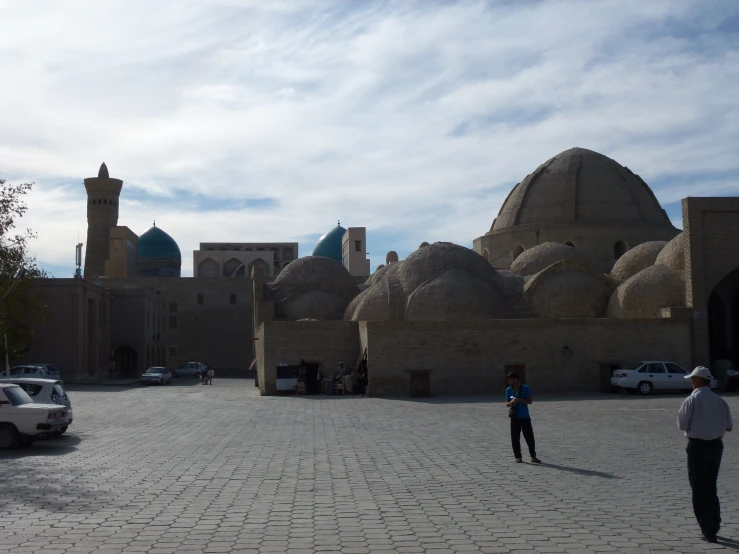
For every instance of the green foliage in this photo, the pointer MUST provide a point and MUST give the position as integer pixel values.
(20, 307)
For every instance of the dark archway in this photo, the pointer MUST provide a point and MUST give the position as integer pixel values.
(723, 319)
(619, 249)
(126, 361)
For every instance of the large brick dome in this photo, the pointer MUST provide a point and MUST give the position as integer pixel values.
(579, 185)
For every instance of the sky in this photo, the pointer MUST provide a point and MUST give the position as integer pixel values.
(249, 121)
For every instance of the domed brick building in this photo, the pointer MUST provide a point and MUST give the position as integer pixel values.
(582, 199)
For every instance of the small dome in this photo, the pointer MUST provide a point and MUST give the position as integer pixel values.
(673, 255)
(424, 244)
(441, 282)
(638, 258)
(644, 294)
(579, 185)
(455, 295)
(391, 257)
(158, 245)
(329, 245)
(314, 287)
(568, 289)
(543, 255)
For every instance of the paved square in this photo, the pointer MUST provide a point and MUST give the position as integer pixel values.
(189, 468)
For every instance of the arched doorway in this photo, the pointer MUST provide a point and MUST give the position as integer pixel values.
(125, 361)
(516, 252)
(619, 249)
(723, 319)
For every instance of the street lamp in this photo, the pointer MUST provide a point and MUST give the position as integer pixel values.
(16, 279)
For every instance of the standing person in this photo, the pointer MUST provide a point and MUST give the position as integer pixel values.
(203, 373)
(518, 398)
(704, 417)
(210, 375)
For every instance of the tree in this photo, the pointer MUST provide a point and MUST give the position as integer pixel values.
(20, 306)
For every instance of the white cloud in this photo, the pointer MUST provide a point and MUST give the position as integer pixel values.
(347, 110)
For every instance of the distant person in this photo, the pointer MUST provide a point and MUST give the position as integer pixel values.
(704, 417)
(210, 374)
(518, 398)
(203, 374)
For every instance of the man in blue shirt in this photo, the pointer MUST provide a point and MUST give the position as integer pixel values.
(517, 399)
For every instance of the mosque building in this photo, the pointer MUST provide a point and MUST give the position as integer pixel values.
(581, 272)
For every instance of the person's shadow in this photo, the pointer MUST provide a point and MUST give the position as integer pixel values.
(578, 471)
(728, 543)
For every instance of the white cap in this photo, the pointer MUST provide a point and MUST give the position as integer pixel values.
(700, 371)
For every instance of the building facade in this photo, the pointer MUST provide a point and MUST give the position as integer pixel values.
(220, 259)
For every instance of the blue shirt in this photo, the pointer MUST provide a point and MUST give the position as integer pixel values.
(522, 409)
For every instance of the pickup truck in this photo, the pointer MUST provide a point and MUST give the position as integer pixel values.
(22, 420)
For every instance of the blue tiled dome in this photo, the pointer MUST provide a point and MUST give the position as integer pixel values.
(156, 244)
(329, 245)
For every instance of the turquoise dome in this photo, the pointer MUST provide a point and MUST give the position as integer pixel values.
(156, 244)
(329, 245)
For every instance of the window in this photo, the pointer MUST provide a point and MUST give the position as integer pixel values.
(31, 390)
(619, 249)
(173, 322)
(172, 307)
(232, 299)
(642, 369)
(357, 245)
(675, 369)
(200, 298)
(172, 351)
(656, 368)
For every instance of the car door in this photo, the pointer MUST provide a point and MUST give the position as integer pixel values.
(657, 374)
(676, 377)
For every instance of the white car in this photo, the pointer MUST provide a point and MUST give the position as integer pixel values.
(653, 376)
(45, 391)
(27, 371)
(156, 376)
(23, 420)
(190, 368)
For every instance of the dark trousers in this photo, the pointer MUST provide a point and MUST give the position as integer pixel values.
(518, 425)
(704, 461)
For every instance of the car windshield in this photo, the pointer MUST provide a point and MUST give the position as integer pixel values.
(155, 370)
(17, 396)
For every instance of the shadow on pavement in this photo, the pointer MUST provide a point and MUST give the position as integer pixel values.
(578, 471)
(728, 543)
(51, 446)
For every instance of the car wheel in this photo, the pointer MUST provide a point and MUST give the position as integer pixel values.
(645, 387)
(9, 436)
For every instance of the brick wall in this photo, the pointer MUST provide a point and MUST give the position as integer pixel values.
(559, 355)
(327, 342)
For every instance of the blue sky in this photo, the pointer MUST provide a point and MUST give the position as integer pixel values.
(235, 120)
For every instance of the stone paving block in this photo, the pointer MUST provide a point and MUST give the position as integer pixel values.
(227, 471)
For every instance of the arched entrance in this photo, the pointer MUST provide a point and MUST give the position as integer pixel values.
(125, 361)
(723, 319)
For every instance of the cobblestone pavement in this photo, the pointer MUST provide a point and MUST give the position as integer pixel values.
(188, 468)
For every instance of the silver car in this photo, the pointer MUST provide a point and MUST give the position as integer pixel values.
(189, 369)
(156, 376)
(45, 391)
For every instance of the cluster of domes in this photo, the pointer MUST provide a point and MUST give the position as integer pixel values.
(439, 282)
(561, 282)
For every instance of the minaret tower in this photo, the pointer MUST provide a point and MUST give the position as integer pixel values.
(102, 214)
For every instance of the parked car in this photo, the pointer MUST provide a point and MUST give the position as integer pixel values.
(23, 420)
(52, 372)
(45, 391)
(188, 369)
(653, 376)
(27, 371)
(156, 376)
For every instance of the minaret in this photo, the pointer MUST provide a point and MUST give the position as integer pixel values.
(102, 214)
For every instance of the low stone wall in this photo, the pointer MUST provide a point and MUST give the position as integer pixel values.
(558, 355)
(327, 342)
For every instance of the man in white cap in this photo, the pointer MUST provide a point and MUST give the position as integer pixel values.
(704, 417)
